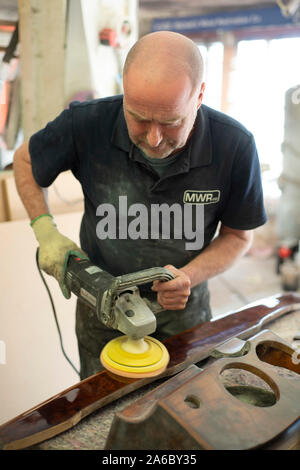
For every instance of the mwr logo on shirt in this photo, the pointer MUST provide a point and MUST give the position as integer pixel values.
(201, 197)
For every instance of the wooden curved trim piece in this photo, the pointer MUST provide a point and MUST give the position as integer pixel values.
(193, 410)
(67, 408)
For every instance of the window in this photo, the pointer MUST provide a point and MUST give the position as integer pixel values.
(213, 59)
(264, 71)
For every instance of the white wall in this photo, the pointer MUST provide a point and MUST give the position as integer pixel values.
(78, 76)
(89, 64)
(35, 368)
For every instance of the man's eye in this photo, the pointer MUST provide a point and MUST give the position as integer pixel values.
(172, 124)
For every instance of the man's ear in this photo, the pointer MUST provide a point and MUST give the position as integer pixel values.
(201, 94)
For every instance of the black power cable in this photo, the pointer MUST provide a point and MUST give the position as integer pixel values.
(10, 50)
(54, 313)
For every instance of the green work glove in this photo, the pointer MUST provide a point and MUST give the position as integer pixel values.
(54, 249)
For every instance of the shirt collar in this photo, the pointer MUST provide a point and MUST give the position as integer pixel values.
(198, 152)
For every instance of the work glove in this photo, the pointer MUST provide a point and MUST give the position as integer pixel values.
(54, 250)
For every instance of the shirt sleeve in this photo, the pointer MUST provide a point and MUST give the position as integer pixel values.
(244, 209)
(52, 149)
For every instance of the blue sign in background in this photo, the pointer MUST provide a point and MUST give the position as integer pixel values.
(242, 19)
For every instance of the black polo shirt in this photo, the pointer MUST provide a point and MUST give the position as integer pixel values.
(219, 170)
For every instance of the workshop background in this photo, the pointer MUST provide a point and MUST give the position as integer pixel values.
(54, 52)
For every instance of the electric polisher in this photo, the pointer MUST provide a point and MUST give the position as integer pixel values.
(118, 305)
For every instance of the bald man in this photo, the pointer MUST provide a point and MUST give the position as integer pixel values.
(166, 180)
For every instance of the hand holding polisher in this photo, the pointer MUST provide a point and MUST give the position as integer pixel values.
(118, 305)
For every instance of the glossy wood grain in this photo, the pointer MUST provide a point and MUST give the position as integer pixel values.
(67, 408)
(197, 412)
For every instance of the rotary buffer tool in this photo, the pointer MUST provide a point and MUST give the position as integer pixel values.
(118, 305)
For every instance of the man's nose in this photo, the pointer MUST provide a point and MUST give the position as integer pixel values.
(154, 135)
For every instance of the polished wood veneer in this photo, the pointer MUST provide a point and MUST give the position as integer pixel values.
(67, 408)
(196, 411)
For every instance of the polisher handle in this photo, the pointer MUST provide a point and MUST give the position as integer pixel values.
(144, 277)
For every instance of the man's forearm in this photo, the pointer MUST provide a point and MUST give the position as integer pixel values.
(218, 256)
(32, 195)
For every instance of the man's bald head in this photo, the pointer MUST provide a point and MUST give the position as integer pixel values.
(164, 55)
(163, 91)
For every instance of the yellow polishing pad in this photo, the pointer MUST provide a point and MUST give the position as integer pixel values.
(128, 358)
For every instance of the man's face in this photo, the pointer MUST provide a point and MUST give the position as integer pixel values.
(159, 118)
